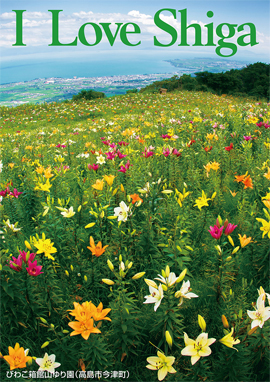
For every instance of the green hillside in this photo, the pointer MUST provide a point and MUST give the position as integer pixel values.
(134, 238)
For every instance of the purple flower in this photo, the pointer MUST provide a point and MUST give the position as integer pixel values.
(247, 138)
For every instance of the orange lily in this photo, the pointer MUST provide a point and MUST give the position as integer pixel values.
(240, 178)
(82, 312)
(99, 313)
(247, 182)
(135, 198)
(84, 328)
(96, 250)
(16, 358)
(244, 240)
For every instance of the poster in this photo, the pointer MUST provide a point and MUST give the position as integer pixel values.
(134, 226)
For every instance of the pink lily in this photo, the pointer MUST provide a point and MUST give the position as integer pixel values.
(166, 136)
(122, 143)
(229, 229)
(216, 232)
(120, 155)
(93, 166)
(15, 193)
(34, 269)
(110, 155)
(16, 264)
(166, 152)
(176, 152)
(31, 257)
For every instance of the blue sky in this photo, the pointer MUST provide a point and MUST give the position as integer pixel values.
(37, 25)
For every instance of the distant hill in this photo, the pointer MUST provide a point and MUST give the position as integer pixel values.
(252, 81)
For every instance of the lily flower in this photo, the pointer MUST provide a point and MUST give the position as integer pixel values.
(68, 213)
(161, 363)
(47, 363)
(156, 295)
(229, 341)
(122, 211)
(109, 179)
(184, 292)
(216, 232)
(96, 250)
(136, 199)
(82, 312)
(24, 255)
(34, 269)
(265, 227)
(260, 315)
(202, 201)
(176, 152)
(229, 148)
(170, 280)
(45, 246)
(111, 155)
(244, 240)
(198, 348)
(17, 357)
(120, 155)
(98, 313)
(85, 328)
(93, 166)
(229, 229)
(16, 264)
(261, 291)
(98, 185)
(15, 193)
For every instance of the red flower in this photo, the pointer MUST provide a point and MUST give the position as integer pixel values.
(207, 149)
(229, 148)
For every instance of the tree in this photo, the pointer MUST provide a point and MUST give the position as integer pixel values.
(88, 95)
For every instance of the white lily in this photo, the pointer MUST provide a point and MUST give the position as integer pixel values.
(266, 295)
(260, 315)
(122, 211)
(68, 213)
(47, 363)
(156, 295)
(184, 292)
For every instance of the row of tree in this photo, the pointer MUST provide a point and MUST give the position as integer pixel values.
(252, 80)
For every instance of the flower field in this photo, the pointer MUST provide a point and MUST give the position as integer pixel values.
(134, 239)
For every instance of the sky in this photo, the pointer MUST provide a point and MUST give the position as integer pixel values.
(37, 27)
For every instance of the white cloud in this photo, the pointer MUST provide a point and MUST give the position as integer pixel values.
(8, 15)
